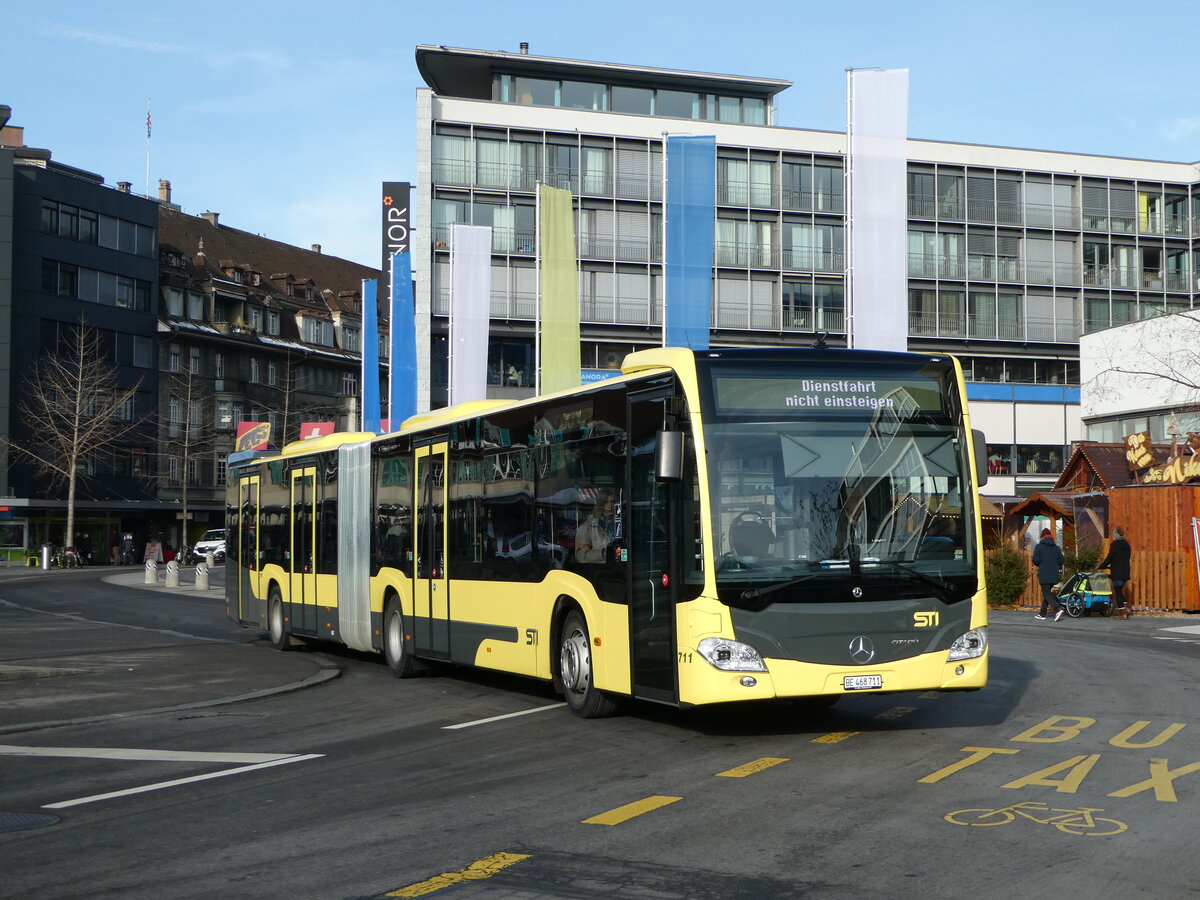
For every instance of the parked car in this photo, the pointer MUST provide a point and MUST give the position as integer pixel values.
(212, 541)
(519, 546)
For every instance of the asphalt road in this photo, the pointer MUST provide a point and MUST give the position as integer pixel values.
(1076, 771)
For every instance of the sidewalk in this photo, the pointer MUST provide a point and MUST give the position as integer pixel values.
(126, 576)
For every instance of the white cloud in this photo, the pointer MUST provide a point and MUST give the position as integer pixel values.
(217, 58)
(1178, 130)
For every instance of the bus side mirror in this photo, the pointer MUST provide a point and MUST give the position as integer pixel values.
(668, 456)
(981, 461)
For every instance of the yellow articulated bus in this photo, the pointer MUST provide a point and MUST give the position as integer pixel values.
(707, 527)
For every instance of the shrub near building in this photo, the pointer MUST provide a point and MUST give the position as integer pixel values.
(1007, 573)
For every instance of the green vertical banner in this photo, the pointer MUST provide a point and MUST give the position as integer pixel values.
(558, 275)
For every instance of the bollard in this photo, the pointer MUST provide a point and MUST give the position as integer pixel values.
(173, 573)
(151, 572)
(46, 557)
(202, 576)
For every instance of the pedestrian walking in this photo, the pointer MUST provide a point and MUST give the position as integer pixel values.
(1117, 562)
(1048, 558)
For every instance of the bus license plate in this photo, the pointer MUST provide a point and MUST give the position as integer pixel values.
(862, 682)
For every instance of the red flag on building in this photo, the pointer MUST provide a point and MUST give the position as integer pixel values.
(310, 430)
(252, 436)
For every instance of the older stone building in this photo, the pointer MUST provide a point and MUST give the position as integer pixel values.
(251, 330)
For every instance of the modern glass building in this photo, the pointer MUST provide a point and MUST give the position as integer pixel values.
(1012, 253)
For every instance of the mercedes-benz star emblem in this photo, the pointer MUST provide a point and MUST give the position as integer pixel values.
(862, 651)
(857, 592)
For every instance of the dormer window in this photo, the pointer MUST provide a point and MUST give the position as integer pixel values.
(318, 331)
(254, 317)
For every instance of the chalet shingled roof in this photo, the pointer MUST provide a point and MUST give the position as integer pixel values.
(1095, 466)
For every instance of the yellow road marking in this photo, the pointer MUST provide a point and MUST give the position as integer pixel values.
(629, 810)
(835, 737)
(476, 871)
(751, 768)
(896, 712)
(930, 695)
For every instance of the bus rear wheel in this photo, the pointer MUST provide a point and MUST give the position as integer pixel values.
(575, 671)
(395, 647)
(276, 626)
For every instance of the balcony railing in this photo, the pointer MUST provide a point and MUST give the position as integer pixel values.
(1003, 328)
(921, 265)
(747, 256)
(806, 260)
(504, 240)
(813, 201)
(741, 193)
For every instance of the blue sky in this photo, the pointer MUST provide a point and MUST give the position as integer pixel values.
(286, 116)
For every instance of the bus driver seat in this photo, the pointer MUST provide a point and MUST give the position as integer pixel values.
(750, 535)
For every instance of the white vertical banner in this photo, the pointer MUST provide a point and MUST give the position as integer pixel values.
(470, 300)
(877, 162)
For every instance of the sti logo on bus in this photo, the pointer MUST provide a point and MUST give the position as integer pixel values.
(925, 619)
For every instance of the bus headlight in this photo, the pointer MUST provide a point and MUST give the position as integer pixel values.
(731, 656)
(969, 645)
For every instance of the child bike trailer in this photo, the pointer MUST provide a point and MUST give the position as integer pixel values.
(1087, 592)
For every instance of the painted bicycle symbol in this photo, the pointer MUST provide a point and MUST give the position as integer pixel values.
(1068, 821)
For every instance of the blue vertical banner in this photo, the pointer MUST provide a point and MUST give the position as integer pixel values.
(691, 208)
(402, 355)
(369, 390)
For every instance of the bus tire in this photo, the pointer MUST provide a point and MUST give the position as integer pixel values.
(396, 649)
(575, 670)
(276, 626)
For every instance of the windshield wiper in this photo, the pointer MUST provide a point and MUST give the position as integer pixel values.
(945, 587)
(755, 593)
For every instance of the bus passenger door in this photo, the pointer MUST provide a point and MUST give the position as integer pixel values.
(251, 605)
(431, 598)
(652, 574)
(303, 582)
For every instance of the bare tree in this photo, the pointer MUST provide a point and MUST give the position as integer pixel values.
(74, 408)
(188, 436)
(293, 407)
(1157, 358)
(1156, 353)
(1153, 362)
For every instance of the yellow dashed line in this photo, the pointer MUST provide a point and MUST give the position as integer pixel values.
(476, 871)
(896, 712)
(834, 737)
(751, 768)
(629, 810)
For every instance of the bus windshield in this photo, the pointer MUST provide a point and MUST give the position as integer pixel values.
(815, 477)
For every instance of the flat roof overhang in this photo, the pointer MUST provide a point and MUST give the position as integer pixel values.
(467, 74)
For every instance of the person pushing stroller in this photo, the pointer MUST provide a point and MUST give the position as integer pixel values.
(1117, 562)
(1048, 557)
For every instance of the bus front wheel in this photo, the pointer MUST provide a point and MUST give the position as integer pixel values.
(395, 647)
(575, 670)
(276, 626)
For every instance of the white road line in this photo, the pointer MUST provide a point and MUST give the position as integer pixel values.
(158, 786)
(513, 715)
(137, 754)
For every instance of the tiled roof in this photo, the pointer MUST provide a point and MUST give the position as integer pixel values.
(222, 244)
